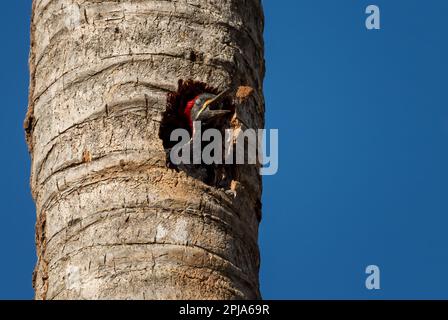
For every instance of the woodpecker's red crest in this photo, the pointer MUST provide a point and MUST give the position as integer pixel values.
(188, 108)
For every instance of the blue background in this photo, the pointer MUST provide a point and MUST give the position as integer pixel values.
(363, 176)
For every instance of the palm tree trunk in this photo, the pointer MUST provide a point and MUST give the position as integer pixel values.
(113, 222)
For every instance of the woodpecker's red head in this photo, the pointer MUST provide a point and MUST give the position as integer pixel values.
(205, 107)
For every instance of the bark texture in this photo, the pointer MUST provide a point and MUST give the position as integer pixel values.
(112, 221)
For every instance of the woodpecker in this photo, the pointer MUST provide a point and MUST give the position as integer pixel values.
(209, 110)
(206, 108)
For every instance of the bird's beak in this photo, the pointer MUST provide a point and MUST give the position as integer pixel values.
(216, 101)
(209, 105)
(213, 114)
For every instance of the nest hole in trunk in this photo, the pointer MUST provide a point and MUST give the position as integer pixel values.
(215, 175)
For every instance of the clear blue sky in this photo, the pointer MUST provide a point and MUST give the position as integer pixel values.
(363, 179)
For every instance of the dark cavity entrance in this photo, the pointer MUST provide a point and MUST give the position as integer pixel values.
(173, 118)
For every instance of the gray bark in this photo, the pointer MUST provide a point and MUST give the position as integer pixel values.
(112, 221)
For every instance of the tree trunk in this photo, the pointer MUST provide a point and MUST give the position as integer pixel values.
(113, 222)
